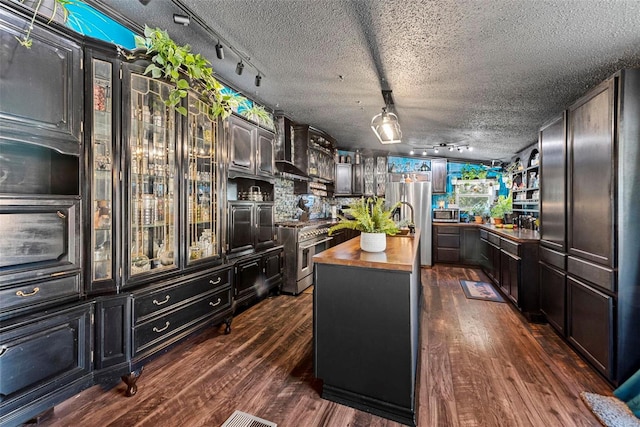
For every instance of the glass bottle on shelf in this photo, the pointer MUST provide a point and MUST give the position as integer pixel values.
(201, 185)
(152, 236)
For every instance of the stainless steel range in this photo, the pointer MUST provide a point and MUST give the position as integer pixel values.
(301, 240)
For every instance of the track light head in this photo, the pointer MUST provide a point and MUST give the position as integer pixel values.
(181, 19)
(436, 150)
(239, 68)
(219, 51)
(258, 80)
(412, 152)
(424, 152)
(144, 2)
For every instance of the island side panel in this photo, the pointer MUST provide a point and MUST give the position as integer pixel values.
(365, 337)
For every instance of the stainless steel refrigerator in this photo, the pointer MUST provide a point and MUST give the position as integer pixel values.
(418, 194)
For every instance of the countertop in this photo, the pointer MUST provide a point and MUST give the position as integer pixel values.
(400, 254)
(520, 235)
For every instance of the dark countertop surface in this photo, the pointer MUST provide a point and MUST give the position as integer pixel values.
(520, 235)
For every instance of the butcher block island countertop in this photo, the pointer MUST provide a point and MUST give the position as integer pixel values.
(399, 255)
(366, 326)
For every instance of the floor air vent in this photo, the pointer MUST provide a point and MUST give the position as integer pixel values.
(242, 419)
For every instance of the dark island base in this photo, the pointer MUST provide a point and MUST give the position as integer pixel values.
(387, 410)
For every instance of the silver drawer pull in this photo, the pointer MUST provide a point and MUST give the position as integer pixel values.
(213, 304)
(61, 215)
(166, 325)
(216, 282)
(166, 300)
(3, 350)
(30, 294)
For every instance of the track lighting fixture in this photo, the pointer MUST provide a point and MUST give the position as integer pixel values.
(239, 68)
(181, 19)
(385, 125)
(219, 51)
(258, 80)
(436, 148)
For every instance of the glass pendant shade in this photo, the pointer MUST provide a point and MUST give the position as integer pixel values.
(387, 128)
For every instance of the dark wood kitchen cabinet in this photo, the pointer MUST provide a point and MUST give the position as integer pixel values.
(470, 246)
(45, 359)
(251, 226)
(599, 261)
(439, 176)
(257, 275)
(250, 148)
(512, 265)
(344, 178)
(32, 112)
(446, 243)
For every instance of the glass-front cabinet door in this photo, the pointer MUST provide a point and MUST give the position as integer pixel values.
(102, 183)
(202, 203)
(152, 239)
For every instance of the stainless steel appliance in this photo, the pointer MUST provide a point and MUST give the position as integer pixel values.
(418, 195)
(446, 215)
(301, 240)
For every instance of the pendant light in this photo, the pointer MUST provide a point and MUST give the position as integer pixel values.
(385, 125)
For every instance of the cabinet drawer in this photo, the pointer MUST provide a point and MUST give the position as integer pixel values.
(42, 352)
(170, 297)
(493, 238)
(443, 229)
(165, 329)
(448, 241)
(554, 258)
(509, 246)
(447, 255)
(37, 294)
(484, 234)
(596, 274)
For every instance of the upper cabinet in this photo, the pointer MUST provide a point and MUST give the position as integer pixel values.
(439, 175)
(525, 182)
(591, 175)
(320, 149)
(250, 148)
(41, 88)
(553, 164)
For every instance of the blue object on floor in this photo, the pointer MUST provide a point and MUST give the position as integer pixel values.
(629, 393)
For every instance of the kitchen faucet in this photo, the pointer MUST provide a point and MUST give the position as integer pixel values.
(412, 224)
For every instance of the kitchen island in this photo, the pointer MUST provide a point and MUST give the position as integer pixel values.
(366, 318)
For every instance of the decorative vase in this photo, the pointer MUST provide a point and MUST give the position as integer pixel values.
(373, 242)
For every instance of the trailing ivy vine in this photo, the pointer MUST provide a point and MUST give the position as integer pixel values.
(58, 5)
(191, 71)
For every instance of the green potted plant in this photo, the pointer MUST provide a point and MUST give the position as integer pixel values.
(500, 208)
(479, 211)
(372, 219)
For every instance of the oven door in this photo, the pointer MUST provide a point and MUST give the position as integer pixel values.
(306, 251)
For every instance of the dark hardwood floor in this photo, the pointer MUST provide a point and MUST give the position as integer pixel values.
(481, 365)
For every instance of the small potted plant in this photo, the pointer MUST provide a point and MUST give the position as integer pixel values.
(372, 219)
(479, 211)
(500, 208)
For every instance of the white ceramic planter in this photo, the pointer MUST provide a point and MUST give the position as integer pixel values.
(373, 242)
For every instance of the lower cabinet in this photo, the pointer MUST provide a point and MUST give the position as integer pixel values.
(509, 275)
(258, 274)
(446, 243)
(513, 266)
(44, 359)
(553, 291)
(470, 246)
(590, 323)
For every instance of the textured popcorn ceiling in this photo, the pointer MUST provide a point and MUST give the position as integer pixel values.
(483, 72)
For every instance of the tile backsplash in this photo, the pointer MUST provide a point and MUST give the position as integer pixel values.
(286, 203)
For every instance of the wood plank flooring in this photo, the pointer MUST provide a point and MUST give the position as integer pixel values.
(481, 364)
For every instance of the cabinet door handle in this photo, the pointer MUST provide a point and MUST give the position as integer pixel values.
(29, 294)
(216, 281)
(166, 300)
(61, 215)
(213, 304)
(3, 350)
(166, 325)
